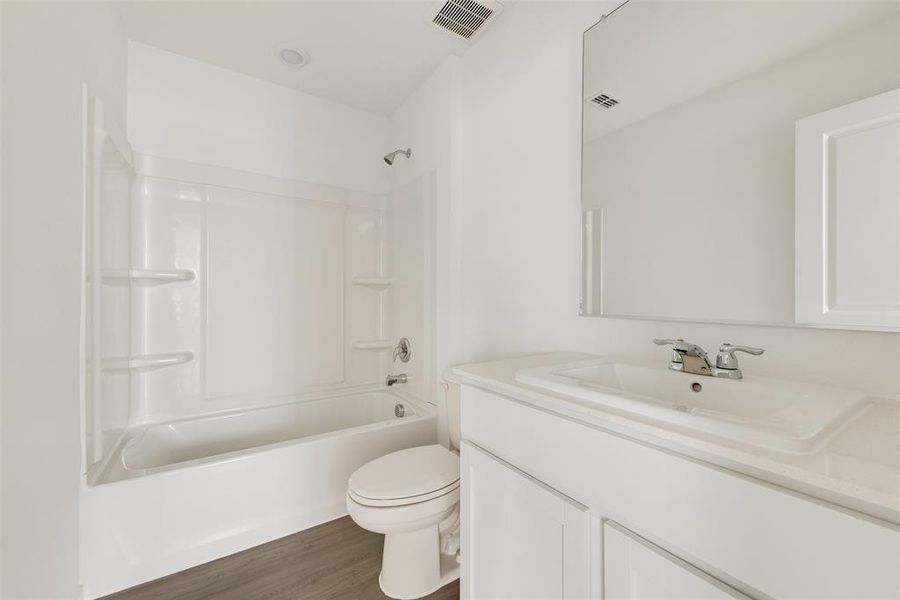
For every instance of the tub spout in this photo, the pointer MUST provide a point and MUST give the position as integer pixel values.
(392, 379)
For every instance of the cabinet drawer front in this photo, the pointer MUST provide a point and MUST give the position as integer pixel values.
(759, 539)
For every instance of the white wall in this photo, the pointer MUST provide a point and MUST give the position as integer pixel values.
(738, 216)
(428, 121)
(188, 110)
(521, 221)
(49, 49)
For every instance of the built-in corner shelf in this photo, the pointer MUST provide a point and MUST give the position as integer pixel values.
(146, 277)
(146, 362)
(373, 345)
(376, 283)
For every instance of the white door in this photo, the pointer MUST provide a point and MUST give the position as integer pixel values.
(848, 215)
(634, 569)
(520, 539)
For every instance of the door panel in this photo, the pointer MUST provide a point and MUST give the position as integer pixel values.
(520, 539)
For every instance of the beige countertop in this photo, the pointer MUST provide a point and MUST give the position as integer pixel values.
(857, 466)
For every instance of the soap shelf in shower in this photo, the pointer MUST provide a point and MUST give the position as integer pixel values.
(146, 277)
(376, 283)
(146, 362)
(373, 345)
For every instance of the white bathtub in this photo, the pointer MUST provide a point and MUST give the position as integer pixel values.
(182, 443)
(178, 494)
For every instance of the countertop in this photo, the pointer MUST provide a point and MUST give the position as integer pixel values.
(856, 467)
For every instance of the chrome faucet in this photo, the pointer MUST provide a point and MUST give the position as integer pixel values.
(691, 358)
(393, 379)
(687, 357)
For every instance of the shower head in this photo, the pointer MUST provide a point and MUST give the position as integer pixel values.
(389, 158)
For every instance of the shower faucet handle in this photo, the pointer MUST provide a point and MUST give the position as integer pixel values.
(402, 350)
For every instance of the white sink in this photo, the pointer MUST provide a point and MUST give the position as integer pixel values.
(772, 413)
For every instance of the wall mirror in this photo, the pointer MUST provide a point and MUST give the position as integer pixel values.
(741, 163)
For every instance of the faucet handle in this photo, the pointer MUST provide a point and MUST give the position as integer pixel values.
(726, 358)
(679, 346)
(668, 341)
(402, 351)
(677, 343)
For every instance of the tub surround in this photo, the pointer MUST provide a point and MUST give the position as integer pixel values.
(258, 246)
(857, 467)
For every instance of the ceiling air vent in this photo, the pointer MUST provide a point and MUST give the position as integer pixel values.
(604, 101)
(465, 18)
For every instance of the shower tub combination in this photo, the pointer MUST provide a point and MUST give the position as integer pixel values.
(178, 494)
(238, 328)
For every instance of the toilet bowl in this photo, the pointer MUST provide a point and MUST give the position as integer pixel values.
(412, 497)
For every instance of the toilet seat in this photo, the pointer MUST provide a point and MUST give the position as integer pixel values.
(374, 502)
(405, 477)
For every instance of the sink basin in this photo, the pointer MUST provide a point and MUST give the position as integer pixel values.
(772, 413)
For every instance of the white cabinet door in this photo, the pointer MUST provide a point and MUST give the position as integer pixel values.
(848, 215)
(634, 569)
(520, 539)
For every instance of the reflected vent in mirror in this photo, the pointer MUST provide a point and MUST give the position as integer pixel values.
(604, 101)
(464, 18)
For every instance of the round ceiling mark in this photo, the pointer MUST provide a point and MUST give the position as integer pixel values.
(292, 57)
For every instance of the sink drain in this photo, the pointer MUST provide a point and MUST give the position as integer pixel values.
(696, 387)
(399, 410)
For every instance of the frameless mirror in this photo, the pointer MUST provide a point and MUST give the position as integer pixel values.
(741, 163)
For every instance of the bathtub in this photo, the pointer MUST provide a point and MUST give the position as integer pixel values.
(174, 495)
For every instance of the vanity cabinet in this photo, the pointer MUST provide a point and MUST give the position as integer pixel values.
(554, 507)
(522, 539)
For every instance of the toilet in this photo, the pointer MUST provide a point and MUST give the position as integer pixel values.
(412, 497)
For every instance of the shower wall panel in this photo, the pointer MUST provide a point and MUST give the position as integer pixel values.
(275, 275)
(271, 311)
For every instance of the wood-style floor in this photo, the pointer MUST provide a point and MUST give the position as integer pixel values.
(334, 561)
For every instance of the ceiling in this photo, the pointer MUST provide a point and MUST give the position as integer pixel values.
(653, 55)
(366, 54)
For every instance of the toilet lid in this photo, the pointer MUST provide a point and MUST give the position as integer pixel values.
(407, 473)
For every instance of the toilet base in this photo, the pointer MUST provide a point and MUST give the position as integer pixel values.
(449, 574)
(413, 566)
